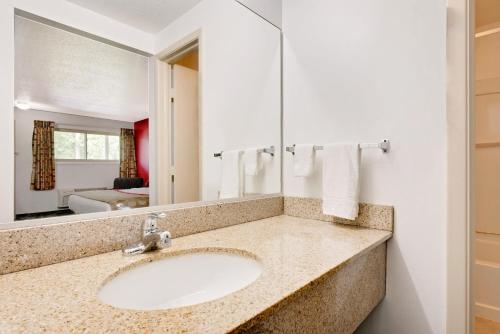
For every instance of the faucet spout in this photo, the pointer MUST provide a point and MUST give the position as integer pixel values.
(134, 249)
(152, 237)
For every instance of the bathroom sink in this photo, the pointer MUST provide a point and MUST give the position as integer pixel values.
(181, 280)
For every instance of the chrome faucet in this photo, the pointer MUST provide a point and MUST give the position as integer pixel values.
(152, 237)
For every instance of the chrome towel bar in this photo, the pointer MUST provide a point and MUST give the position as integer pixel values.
(269, 150)
(384, 145)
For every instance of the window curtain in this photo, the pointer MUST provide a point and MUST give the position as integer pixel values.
(43, 174)
(128, 165)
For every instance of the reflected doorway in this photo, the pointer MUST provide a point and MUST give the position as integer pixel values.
(184, 122)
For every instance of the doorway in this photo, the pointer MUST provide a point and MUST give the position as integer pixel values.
(183, 91)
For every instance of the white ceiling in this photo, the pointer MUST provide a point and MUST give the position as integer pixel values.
(269, 9)
(147, 15)
(64, 72)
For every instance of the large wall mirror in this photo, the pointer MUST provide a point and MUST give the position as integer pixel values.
(101, 126)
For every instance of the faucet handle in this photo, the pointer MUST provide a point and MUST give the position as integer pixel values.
(150, 226)
(157, 215)
(165, 240)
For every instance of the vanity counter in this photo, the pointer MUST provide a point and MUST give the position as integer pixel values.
(296, 254)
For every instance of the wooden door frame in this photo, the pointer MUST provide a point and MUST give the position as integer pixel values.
(161, 137)
(460, 184)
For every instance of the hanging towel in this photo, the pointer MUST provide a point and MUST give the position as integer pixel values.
(341, 180)
(252, 160)
(303, 160)
(232, 176)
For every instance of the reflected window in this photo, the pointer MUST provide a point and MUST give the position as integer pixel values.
(82, 145)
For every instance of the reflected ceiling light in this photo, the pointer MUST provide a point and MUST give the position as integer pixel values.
(23, 105)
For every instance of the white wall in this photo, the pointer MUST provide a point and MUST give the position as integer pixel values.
(367, 70)
(68, 175)
(65, 13)
(240, 86)
(6, 114)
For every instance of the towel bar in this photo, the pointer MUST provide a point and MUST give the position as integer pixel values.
(384, 145)
(269, 150)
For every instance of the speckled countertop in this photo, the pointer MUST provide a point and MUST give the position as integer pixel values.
(293, 251)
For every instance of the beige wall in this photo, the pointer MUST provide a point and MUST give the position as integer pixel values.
(488, 133)
(190, 60)
(487, 167)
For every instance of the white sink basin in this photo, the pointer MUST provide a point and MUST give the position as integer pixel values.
(180, 280)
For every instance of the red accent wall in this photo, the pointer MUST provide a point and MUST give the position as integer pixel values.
(141, 134)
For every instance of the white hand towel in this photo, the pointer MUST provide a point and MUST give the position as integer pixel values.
(253, 163)
(231, 179)
(303, 160)
(341, 180)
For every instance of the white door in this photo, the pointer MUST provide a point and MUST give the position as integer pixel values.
(185, 139)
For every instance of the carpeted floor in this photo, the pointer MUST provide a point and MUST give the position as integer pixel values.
(39, 215)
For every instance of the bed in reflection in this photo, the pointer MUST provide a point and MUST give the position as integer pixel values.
(128, 193)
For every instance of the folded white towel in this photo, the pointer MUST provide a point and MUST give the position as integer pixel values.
(232, 176)
(252, 160)
(303, 160)
(341, 180)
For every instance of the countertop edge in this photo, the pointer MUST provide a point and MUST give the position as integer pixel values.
(289, 298)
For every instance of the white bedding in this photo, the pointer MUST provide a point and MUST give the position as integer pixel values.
(137, 191)
(80, 205)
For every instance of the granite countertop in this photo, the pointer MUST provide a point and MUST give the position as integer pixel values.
(293, 252)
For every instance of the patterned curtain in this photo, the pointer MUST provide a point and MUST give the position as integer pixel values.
(128, 165)
(43, 174)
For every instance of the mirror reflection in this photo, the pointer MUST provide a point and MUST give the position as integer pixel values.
(102, 127)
